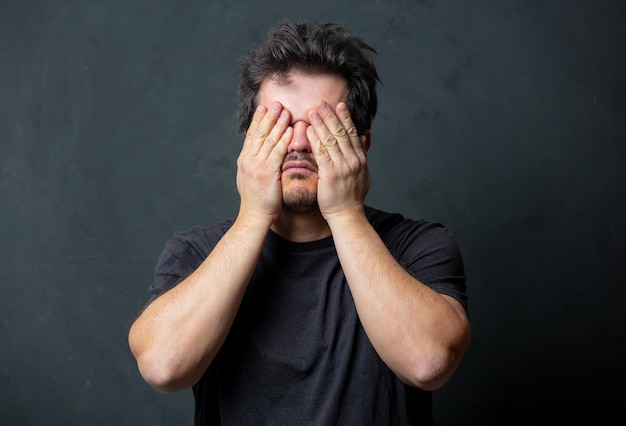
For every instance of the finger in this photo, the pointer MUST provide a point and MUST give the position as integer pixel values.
(317, 147)
(346, 120)
(339, 125)
(263, 122)
(254, 133)
(327, 142)
(277, 133)
(278, 152)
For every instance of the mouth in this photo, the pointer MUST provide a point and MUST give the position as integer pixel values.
(298, 163)
(298, 166)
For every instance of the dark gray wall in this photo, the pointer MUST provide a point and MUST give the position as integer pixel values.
(505, 120)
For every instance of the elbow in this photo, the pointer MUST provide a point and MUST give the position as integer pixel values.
(432, 369)
(429, 373)
(157, 370)
(159, 376)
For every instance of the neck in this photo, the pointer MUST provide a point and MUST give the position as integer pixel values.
(301, 227)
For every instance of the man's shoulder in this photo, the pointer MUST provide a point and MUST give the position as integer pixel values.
(398, 228)
(207, 230)
(184, 251)
(385, 220)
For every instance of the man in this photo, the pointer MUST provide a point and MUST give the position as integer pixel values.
(308, 307)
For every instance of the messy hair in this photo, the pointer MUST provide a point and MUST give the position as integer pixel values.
(313, 48)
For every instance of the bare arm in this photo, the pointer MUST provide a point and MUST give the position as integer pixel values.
(420, 334)
(177, 336)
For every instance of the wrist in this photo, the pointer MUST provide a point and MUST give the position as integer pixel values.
(346, 218)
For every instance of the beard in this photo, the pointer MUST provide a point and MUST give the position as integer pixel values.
(300, 200)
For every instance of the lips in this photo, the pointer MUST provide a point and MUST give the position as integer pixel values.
(298, 165)
(298, 162)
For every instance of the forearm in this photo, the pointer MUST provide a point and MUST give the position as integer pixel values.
(176, 337)
(420, 334)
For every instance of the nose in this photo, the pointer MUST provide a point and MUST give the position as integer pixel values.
(299, 141)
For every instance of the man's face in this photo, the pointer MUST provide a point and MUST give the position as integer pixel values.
(300, 94)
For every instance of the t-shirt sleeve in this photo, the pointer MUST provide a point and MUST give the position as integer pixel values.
(435, 259)
(182, 255)
(429, 252)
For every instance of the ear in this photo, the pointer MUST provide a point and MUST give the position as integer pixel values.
(366, 140)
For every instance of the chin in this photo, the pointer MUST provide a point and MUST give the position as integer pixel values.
(300, 201)
(301, 209)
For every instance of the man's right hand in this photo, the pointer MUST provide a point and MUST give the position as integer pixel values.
(260, 160)
(177, 336)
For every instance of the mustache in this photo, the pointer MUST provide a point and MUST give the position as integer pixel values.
(301, 156)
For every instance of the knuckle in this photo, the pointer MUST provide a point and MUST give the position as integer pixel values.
(354, 163)
(257, 132)
(330, 140)
(352, 131)
(341, 131)
(321, 150)
(242, 165)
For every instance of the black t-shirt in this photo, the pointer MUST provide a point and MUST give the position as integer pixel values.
(297, 352)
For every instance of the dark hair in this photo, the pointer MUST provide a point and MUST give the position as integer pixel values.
(317, 48)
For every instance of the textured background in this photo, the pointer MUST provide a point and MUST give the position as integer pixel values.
(505, 120)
